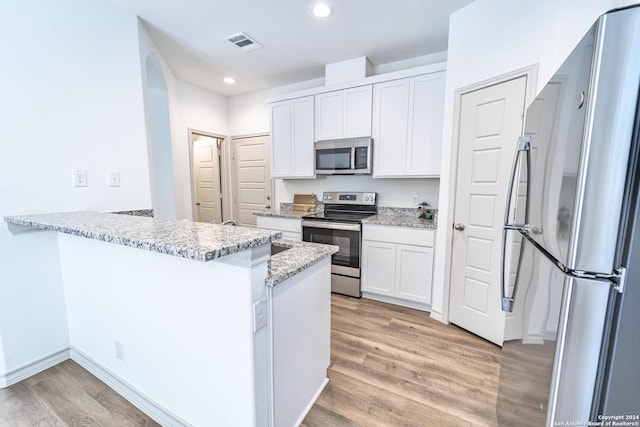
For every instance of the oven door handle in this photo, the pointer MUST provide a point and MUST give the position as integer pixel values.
(331, 225)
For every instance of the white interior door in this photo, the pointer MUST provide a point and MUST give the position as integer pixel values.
(253, 180)
(490, 122)
(206, 165)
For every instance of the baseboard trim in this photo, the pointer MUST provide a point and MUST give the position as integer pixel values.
(397, 301)
(16, 375)
(135, 397)
(438, 316)
(312, 402)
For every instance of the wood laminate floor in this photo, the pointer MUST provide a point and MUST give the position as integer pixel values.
(390, 366)
(67, 395)
(394, 366)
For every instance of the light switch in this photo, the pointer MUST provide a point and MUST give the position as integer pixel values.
(113, 178)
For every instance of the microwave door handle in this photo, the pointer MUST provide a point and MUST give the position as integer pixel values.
(353, 158)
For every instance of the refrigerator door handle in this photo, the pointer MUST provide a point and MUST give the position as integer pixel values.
(524, 146)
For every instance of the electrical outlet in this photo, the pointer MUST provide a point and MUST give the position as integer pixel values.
(415, 199)
(113, 178)
(119, 350)
(259, 314)
(79, 178)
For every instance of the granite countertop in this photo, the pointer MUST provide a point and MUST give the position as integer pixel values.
(193, 240)
(284, 213)
(402, 217)
(299, 256)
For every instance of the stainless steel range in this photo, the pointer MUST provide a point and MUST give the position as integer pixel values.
(341, 224)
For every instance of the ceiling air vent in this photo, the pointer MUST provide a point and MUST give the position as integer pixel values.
(244, 42)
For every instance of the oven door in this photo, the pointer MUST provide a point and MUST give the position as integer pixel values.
(346, 236)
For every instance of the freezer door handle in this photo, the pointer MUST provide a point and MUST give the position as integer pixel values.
(508, 302)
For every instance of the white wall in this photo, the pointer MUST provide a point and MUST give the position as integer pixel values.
(198, 109)
(190, 107)
(489, 38)
(248, 113)
(71, 99)
(180, 324)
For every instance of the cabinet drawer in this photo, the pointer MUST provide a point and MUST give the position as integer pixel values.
(403, 235)
(292, 225)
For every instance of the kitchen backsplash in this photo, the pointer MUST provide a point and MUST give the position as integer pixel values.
(390, 192)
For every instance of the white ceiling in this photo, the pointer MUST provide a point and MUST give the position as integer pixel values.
(190, 34)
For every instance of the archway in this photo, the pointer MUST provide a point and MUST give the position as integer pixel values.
(161, 158)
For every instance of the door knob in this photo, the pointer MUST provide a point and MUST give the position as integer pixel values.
(459, 226)
(197, 203)
(268, 197)
(268, 207)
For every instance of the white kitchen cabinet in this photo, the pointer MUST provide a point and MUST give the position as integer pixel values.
(291, 227)
(378, 267)
(292, 138)
(397, 264)
(407, 126)
(343, 113)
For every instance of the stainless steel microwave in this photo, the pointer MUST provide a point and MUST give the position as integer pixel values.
(350, 156)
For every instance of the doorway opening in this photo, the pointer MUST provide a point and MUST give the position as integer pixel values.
(209, 183)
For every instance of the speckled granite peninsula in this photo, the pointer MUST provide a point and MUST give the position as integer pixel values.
(297, 257)
(193, 240)
(234, 328)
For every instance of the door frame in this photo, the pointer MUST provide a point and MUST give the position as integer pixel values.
(225, 184)
(234, 169)
(446, 224)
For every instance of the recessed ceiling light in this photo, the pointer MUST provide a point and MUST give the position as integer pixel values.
(321, 10)
(229, 80)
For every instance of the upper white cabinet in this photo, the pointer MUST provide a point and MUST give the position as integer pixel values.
(407, 126)
(343, 113)
(292, 138)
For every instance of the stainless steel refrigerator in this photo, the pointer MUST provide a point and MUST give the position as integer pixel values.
(571, 243)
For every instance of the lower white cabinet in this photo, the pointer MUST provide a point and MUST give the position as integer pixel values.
(291, 227)
(397, 264)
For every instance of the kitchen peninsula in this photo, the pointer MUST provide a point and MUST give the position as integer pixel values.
(196, 324)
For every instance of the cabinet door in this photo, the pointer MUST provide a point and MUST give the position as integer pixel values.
(329, 115)
(302, 137)
(414, 270)
(426, 106)
(357, 112)
(378, 267)
(390, 125)
(281, 139)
